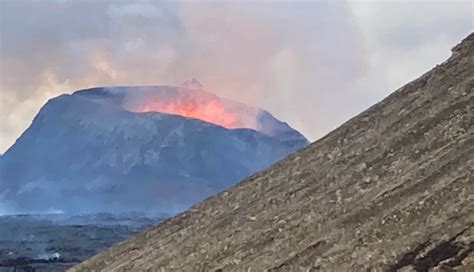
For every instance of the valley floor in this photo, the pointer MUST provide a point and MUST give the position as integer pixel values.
(57, 242)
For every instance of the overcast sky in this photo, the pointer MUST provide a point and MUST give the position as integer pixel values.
(313, 64)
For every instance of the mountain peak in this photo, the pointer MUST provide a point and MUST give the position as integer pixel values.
(192, 101)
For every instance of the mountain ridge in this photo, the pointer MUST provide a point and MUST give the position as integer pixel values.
(251, 117)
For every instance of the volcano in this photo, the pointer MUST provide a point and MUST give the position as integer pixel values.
(143, 148)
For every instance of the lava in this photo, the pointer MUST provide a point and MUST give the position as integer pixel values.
(208, 108)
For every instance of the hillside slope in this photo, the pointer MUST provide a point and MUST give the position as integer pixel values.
(391, 189)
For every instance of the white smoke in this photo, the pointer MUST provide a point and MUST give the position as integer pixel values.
(48, 256)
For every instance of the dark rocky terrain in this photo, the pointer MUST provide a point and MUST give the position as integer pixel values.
(57, 242)
(390, 190)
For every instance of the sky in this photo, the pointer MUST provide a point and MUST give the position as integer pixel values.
(313, 64)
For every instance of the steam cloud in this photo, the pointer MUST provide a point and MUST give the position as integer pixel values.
(310, 63)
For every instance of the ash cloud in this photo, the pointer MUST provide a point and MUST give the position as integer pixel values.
(311, 63)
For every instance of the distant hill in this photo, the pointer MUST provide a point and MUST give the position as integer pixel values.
(390, 190)
(155, 149)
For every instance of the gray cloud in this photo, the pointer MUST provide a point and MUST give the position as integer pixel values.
(407, 38)
(311, 63)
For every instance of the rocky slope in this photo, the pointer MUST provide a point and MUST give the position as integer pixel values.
(156, 149)
(390, 190)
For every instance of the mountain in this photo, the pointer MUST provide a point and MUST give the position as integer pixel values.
(390, 190)
(156, 149)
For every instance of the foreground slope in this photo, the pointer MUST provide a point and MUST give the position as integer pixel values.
(390, 189)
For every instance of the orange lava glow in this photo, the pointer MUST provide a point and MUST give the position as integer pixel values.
(209, 109)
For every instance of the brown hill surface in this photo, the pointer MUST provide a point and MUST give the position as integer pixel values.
(391, 189)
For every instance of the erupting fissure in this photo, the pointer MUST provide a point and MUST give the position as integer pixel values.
(209, 110)
(191, 101)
